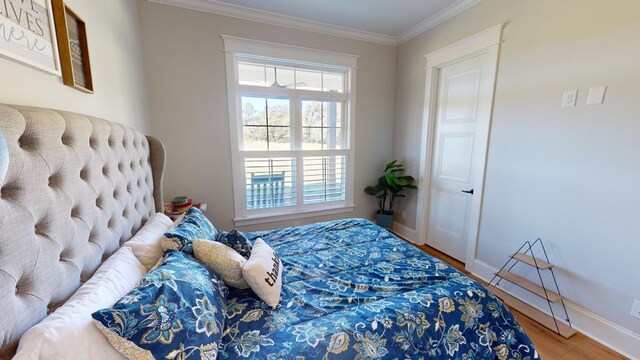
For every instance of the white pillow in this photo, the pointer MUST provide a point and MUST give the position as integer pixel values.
(146, 244)
(69, 333)
(222, 259)
(263, 273)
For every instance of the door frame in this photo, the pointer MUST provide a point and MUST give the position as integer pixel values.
(486, 42)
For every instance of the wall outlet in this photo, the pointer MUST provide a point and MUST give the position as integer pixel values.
(404, 214)
(635, 310)
(569, 98)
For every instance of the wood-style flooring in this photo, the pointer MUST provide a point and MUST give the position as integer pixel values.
(550, 346)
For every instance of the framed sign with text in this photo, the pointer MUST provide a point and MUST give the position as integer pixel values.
(71, 31)
(27, 34)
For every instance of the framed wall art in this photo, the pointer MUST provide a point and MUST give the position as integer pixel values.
(71, 32)
(27, 34)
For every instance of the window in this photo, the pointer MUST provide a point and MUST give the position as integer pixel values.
(291, 117)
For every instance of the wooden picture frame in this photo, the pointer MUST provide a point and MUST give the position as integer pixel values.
(27, 34)
(71, 32)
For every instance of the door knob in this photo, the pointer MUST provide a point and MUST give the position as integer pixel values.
(468, 191)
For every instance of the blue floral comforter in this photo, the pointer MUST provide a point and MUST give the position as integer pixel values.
(352, 290)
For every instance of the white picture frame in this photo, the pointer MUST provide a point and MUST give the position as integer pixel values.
(28, 35)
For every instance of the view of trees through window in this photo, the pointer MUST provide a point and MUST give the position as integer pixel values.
(267, 124)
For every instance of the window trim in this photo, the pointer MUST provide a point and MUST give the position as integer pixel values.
(270, 51)
(239, 49)
(268, 218)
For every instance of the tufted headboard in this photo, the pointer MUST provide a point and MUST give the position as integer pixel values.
(77, 187)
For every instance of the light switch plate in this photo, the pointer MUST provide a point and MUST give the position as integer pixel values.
(569, 98)
(596, 95)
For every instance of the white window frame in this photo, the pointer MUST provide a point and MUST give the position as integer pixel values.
(239, 49)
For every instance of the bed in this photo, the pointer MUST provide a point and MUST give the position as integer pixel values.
(79, 187)
(355, 291)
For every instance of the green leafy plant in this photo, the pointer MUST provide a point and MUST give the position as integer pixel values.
(390, 187)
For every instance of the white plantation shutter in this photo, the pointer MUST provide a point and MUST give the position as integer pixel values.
(292, 122)
(324, 179)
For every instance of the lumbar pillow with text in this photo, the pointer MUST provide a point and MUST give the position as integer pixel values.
(222, 259)
(263, 273)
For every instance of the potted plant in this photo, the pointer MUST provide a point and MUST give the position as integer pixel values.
(389, 187)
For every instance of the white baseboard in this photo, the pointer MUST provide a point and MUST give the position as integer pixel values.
(617, 338)
(407, 233)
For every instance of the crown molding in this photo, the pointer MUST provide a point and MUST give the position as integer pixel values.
(268, 17)
(437, 19)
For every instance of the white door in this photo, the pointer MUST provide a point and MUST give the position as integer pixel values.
(459, 148)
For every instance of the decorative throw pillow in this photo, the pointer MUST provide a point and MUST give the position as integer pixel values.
(263, 273)
(237, 241)
(194, 225)
(222, 259)
(176, 312)
(146, 242)
(69, 333)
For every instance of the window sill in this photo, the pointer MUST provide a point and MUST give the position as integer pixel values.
(263, 219)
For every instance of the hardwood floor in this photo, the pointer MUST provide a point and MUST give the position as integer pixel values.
(550, 346)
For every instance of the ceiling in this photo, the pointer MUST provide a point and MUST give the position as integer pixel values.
(389, 22)
(387, 17)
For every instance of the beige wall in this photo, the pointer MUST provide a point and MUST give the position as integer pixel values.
(186, 79)
(568, 175)
(116, 61)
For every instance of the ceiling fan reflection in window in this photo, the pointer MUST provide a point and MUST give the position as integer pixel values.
(285, 77)
(276, 84)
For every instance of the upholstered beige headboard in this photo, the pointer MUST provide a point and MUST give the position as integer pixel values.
(77, 187)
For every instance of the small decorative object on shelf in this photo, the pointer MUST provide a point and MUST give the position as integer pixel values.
(179, 205)
(526, 255)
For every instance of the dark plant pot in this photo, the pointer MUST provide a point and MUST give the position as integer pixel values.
(385, 219)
